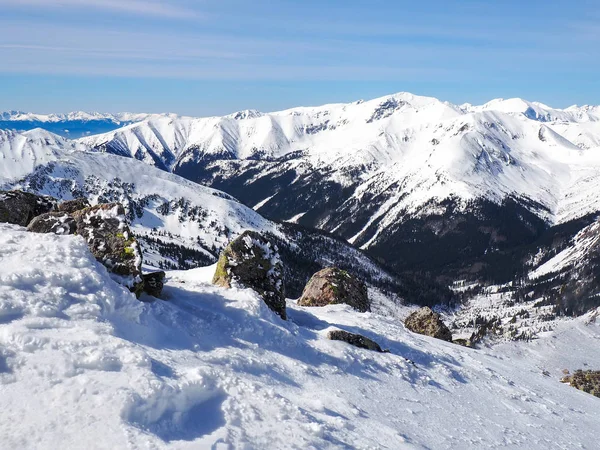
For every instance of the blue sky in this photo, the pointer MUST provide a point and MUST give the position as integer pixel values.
(208, 57)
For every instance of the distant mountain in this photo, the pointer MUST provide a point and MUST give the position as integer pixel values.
(72, 125)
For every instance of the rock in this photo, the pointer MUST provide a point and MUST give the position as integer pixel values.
(20, 208)
(425, 321)
(252, 261)
(153, 283)
(332, 286)
(107, 234)
(355, 339)
(53, 222)
(70, 206)
(585, 380)
(464, 342)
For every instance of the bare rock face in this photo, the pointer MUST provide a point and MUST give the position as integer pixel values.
(20, 208)
(355, 339)
(333, 286)
(53, 222)
(426, 321)
(252, 261)
(70, 206)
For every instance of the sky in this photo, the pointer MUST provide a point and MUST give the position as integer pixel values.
(214, 57)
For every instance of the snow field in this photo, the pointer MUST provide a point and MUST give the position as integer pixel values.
(84, 364)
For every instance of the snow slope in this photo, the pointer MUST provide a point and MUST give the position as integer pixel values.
(584, 243)
(21, 153)
(579, 124)
(84, 364)
(158, 203)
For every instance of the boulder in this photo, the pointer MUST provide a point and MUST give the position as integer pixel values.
(53, 222)
(332, 286)
(153, 283)
(585, 380)
(107, 234)
(251, 261)
(464, 342)
(354, 339)
(426, 321)
(70, 206)
(20, 208)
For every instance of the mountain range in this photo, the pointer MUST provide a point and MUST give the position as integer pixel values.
(72, 125)
(180, 223)
(416, 182)
(429, 189)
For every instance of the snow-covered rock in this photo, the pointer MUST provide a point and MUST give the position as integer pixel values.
(252, 261)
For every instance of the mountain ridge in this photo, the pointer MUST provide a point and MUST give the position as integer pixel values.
(428, 188)
(180, 223)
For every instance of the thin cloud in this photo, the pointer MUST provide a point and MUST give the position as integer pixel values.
(136, 7)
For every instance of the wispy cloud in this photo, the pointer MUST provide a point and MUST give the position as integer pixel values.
(136, 7)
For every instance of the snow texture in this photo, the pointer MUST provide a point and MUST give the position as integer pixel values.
(83, 364)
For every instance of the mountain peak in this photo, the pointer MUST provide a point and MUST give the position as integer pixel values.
(246, 114)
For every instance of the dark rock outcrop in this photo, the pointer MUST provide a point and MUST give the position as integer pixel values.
(154, 283)
(20, 208)
(354, 339)
(333, 286)
(252, 261)
(70, 206)
(426, 321)
(53, 222)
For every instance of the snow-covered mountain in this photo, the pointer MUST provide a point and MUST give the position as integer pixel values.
(417, 182)
(20, 116)
(431, 189)
(72, 125)
(180, 223)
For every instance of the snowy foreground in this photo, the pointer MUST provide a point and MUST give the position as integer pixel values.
(83, 364)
